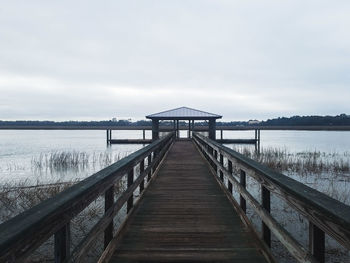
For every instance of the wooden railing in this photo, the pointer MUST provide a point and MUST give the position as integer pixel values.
(23, 234)
(325, 214)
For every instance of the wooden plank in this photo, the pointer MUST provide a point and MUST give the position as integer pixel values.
(24, 233)
(330, 215)
(238, 141)
(130, 141)
(297, 250)
(185, 216)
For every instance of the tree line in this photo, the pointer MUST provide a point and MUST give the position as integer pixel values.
(339, 120)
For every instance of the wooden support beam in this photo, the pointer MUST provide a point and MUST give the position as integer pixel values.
(265, 198)
(259, 139)
(214, 164)
(149, 162)
(230, 170)
(62, 243)
(243, 182)
(189, 128)
(212, 129)
(109, 200)
(221, 172)
(177, 129)
(317, 242)
(142, 168)
(155, 129)
(130, 203)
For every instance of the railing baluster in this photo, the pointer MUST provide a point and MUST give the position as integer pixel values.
(149, 162)
(142, 168)
(317, 242)
(214, 164)
(230, 170)
(109, 200)
(155, 154)
(62, 244)
(130, 182)
(265, 197)
(222, 163)
(243, 203)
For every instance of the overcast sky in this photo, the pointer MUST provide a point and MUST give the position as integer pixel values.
(86, 60)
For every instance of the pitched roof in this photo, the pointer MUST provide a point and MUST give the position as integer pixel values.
(183, 112)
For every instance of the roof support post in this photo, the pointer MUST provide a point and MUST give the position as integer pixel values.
(155, 129)
(177, 129)
(189, 128)
(212, 129)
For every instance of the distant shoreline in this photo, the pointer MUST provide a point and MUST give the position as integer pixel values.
(169, 128)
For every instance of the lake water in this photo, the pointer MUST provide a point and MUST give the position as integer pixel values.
(21, 149)
(25, 160)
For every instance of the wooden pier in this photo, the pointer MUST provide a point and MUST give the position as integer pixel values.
(186, 210)
(185, 216)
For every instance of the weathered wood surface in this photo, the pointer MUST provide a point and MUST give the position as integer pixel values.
(130, 141)
(329, 215)
(185, 216)
(239, 141)
(21, 235)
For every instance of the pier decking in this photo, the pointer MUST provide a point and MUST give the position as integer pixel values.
(185, 216)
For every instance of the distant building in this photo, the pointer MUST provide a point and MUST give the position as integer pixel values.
(251, 122)
(114, 119)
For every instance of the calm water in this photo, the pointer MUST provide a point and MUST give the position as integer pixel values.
(18, 149)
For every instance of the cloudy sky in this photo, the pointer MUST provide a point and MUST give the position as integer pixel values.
(86, 60)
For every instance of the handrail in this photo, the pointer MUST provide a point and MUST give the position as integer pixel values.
(21, 235)
(325, 214)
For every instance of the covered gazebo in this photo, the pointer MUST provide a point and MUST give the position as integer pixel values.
(184, 114)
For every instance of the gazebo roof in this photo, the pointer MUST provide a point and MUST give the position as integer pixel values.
(183, 113)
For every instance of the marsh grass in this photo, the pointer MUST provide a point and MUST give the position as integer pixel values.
(315, 162)
(326, 172)
(17, 197)
(65, 160)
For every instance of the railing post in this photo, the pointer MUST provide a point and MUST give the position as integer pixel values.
(230, 170)
(149, 162)
(62, 244)
(109, 200)
(142, 168)
(214, 164)
(317, 242)
(155, 165)
(130, 182)
(107, 137)
(241, 198)
(222, 163)
(265, 198)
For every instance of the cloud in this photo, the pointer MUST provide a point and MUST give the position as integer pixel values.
(242, 59)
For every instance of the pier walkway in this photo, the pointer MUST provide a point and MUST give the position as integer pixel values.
(185, 216)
